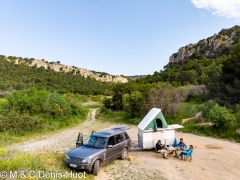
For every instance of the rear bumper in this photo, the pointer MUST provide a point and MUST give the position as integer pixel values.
(86, 167)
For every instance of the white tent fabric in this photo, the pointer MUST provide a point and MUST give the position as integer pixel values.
(148, 118)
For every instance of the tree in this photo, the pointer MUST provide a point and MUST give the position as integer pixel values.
(165, 97)
(221, 116)
(126, 102)
(136, 101)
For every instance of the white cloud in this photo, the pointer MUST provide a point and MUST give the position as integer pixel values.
(225, 8)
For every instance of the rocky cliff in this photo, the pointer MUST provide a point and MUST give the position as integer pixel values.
(103, 77)
(218, 43)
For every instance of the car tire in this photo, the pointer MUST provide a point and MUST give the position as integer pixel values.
(124, 153)
(95, 167)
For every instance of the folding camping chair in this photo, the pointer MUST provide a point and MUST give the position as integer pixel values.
(188, 155)
(158, 152)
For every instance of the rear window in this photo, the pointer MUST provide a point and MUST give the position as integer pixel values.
(119, 138)
(125, 136)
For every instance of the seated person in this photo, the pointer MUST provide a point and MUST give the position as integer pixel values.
(181, 144)
(159, 148)
(180, 147)
(186, 152)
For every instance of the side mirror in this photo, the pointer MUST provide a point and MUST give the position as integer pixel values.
(79, 141)
(109, 146)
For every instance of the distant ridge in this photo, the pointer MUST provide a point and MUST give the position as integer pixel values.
(56, 66)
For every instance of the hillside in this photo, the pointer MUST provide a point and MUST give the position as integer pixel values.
(213, 62)
(22, 74)
(56, 66)
(213, 46)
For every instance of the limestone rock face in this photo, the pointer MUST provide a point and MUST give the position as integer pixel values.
(104, 77)
(209, 46)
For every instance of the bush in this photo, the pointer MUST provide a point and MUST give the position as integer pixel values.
(108, 103)
(20, 124)
(136, 101)
(165, 97)
(35, 101)
(221, 116)
(104, 110)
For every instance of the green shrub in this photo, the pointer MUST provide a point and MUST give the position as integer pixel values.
(221, 116)
(107, 102)
(104, 110)
(17, 124)
(35, 101)
(206, 106)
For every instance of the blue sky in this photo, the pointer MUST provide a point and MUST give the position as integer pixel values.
(129, 37)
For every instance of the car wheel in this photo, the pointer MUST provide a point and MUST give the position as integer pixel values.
(124, 153)
(95, 167)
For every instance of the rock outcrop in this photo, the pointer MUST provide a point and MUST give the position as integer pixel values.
(103, 77)
(209, 46)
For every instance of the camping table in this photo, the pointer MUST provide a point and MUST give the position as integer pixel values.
(171, 148)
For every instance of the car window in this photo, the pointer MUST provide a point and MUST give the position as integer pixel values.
(125, 136)
(96, 142)
(120, 138)
(111, 141)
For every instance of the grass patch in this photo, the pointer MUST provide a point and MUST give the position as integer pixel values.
(92, 104)
(206, 130)
(3, 101)
(46, 162)
(8, 139)
(186, 110)
(50, 126)
(117, 117)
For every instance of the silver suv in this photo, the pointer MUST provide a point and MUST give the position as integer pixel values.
(100, 148)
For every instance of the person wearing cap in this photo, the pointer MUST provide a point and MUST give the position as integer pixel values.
(160, 148)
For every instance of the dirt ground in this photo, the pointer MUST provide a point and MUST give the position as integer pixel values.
(212, 158)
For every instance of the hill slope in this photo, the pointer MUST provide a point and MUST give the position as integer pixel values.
(21, 76)
(213, 46)
(56, 66)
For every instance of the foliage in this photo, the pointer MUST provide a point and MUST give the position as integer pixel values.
(21, 76)
(20, 124)
(32, 164)
(136, 101)
(221, 117)
(168, 98)
(30, 111)
(185, 110)
(13, 160)
(206, 130)
(118, 117)
(206, 106)
(35, 101)
(126, 102)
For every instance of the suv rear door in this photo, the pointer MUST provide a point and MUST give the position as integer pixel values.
(120, 143)
(111, 149)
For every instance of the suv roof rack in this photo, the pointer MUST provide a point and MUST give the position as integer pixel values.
(121, 128)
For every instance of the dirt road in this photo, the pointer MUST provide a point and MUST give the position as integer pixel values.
(212, 158)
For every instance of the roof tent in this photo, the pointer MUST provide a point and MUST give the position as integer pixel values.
(153, 121)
